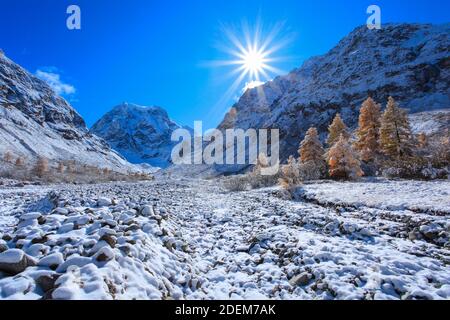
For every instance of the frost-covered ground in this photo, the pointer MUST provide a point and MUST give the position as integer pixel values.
(191, 239)
(386, 194)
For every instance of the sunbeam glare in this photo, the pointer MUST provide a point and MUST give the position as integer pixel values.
(252, 52)
(251, 55)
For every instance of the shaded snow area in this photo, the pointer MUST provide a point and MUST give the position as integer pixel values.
(191, 239)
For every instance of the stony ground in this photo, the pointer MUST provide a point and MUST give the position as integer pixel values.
(192, 239)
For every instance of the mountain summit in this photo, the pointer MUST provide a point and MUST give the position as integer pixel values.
(410, 62)
(141, 134)
(36, 122)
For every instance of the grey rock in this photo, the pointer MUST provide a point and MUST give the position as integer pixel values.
(109, 239)
(300, 280)
(47, 282)
(3, 247)
(15, 261)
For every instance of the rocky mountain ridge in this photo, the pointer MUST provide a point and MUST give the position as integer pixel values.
(410, 62)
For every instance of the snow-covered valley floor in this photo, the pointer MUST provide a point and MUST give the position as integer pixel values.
(191, 239)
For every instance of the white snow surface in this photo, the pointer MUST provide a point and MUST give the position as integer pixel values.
(191, 239)
(385, 194)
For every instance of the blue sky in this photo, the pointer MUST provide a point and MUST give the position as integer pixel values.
(153, 52)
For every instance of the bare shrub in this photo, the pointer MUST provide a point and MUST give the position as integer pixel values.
(258, 180)
(431, 160)
(439, 150)
(70, 166)
(236, 183)
(290, 174)
(413, 168)
(312, 170)
(263, 181)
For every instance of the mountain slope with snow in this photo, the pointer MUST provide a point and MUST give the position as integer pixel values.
(140, 134)
(410, 62)
(35, 121)
(432, 123)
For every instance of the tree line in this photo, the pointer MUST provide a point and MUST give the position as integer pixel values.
(383, 144)
(69, 171)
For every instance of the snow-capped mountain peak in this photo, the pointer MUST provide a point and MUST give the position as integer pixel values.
(140, 133)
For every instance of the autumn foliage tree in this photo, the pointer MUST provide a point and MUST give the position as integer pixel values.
(311, 148)
(60, 168)
(312, 159)
(19, 162)
(41, 166)
(342, 161)
(368, 132)
(396, 139)
(336, 129)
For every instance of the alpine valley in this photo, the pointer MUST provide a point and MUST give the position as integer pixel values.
(187, 232)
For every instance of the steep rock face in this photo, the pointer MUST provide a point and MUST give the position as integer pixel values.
(34, 121)
(410, 62)
(140, 134)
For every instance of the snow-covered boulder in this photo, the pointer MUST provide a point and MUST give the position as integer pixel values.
(104, 202)
(15, 261)
(52, 260)
(74, 261)
(105, 254)
(147, 211)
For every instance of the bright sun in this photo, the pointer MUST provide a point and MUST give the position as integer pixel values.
(250, 54)
(254, 62)
(253, 51)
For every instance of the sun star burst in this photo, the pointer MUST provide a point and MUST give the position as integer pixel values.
(254, 62)
(250, 57)
(252, 51)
